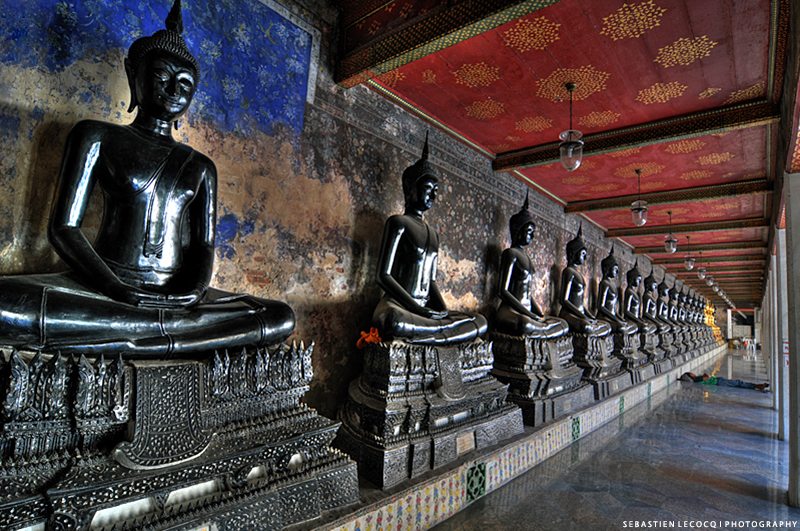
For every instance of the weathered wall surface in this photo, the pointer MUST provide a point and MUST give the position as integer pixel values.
(304, 188)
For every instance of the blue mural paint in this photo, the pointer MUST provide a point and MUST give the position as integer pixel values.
(254, 63)
(227, 229)
(9, 123)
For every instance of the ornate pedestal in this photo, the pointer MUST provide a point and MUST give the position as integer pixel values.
(225, 443)
(543, 380)
(416, 408)
(626, 348)
(601, 369)
(655, 355)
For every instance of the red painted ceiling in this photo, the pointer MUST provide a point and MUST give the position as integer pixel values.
(667, 64)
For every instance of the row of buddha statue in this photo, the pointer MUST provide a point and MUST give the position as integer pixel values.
(139, 294)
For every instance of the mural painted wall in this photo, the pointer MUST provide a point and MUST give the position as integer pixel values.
(308, 172)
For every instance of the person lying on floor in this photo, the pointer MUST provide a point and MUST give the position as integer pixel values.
(725, 382)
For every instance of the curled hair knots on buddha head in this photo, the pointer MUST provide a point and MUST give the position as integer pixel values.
(520, 220)
(414, 173)
(608, 263)
(168, 40)
(575, 245)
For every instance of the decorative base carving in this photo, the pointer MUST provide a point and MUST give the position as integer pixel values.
(594, 355)
(610, 385)
(626, 348)
(641, 374)
(663, 365)
(535, 367)
(268, 465)
(543, 380)
(406, 415)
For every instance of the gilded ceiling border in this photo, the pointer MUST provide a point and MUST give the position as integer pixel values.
(430, 35)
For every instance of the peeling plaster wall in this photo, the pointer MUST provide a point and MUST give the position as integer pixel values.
(301, 210)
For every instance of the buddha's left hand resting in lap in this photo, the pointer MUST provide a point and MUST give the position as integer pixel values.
(412, 309)
(142, 288)
(518, 314)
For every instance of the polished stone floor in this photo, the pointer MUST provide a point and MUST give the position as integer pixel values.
(696, 456)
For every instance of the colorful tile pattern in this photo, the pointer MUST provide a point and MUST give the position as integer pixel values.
(424, 505)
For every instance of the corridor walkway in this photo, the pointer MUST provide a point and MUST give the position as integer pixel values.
(696, 456)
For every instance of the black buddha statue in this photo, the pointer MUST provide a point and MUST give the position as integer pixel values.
(650, 306)
(608, 298)
(142, 288)
(573, 291)
(412, 309)
(632, 303)
(518, 314)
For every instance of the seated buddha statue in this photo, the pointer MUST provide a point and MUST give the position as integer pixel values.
(632, 303)
(142, 288)
(412, 309)
(518, 314)
(650, 305)
(608, 298)
(573, 290)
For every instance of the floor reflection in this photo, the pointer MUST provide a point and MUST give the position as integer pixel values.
(692, 453)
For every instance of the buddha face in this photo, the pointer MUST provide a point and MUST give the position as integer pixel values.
(634, 281)
(423, 195)
(164, 85)
(525, 234)
(580, 257)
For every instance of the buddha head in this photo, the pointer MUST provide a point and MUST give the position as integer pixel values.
(663, 289)
(609, 265)
(162, 73)
(522, 225)
(576, 250)
(420, 183)
(634, 277)
(650, 283)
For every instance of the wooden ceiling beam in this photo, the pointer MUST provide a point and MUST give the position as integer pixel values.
(714, 226)
(690, 126)
(730, 246)
(711, 259)
(687, 195)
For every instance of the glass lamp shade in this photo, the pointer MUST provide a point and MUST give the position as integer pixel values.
(639, 212)
(710, 281)
(689, 262)
(671, 244)
(571, 149)
(715, 288)
(701, 273)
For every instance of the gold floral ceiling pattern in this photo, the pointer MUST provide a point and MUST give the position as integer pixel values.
(588, 79)
(683, 89)
(477, 75)
(534, 34)
(685, 51)
(661, 93)
(632, 20)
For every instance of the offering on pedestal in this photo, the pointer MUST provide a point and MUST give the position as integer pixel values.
(425, 396)
(124, 421)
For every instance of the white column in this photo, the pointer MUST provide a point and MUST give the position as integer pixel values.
(780, 276)
(791, 190)
(776, 331)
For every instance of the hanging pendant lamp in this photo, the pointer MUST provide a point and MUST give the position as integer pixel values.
(639, 207)
(571, 147)
(671, 242)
